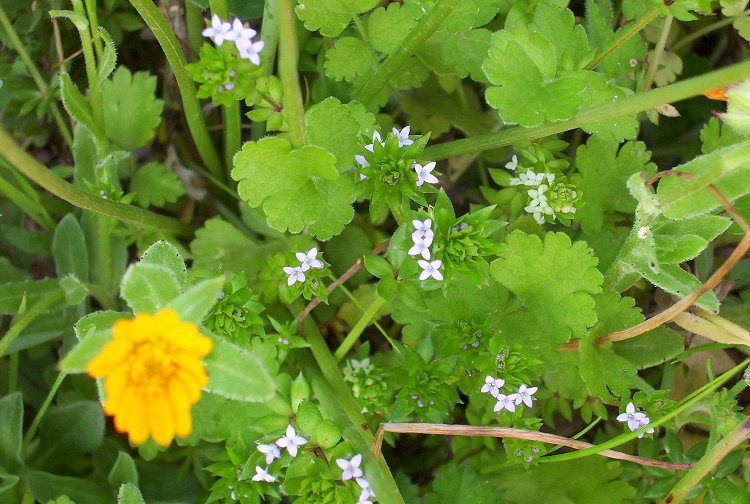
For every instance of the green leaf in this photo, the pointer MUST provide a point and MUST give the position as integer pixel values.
(605, 168)
(80, 22)
(331, 16)
(348, 58)
(148, 287)
(455, 485)
(378, 266)
(108, 59)
(76, 427)
(131, 111)
(386, 28)
(679, 282)
(30, 292)
(163, 253)
(69, 249)
(237, 374)
(715, 134)
(297, 189)
(586, 480)
(123, 471)
(11, 431)
(465, 52)
(129, 494)
(554, 279)
(197, 301)
(726, 168)
(93, 331)
(220, 246)
(45, 487)
(154, 184)
(651, 348)
(337, 128)
(682, 240)
(76, 105)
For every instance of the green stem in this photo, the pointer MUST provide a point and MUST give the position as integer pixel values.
(360, 27)
(36, 75)
(40, 414)
(626, 35)
(270, 35)
(653, 65)
(686, 403)
(361, 325)
(94, 26)
(288, 56)
(194, 23)
(362, 309)
(190, 104)
(631, 105)
(707, 29)
(31, 168)
(95, 91)
(405, 49)
(23, 320)
(710, 460)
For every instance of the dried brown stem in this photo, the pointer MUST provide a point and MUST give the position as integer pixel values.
(505, 432)
(340, 280)
(683, 304)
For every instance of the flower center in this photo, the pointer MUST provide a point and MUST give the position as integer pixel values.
(153, 364)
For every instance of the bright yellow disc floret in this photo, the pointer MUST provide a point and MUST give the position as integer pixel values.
(154, 374)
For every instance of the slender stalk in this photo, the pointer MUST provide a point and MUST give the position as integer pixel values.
(270, 35)
(94, 26)
(361, 325)
(624, 37)
(707, 29)
(194, 24)
(36, 75)
(190, 104)
(653, 65)
(288, 59)
(40, 414)
(405, 49)
(710, 460)
(31, 168)
(362, 309)
(23, 320)
(95, 91)
(630, 105)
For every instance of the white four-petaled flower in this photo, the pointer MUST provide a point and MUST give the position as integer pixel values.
(492, 385)
(524, 395)
(403, 136)
(422, 230)
(262, 475)
(422, 248)
(504, 402)
(430, 269)
(271, 451)
(350, 467)
(294, 275)
(375, 138)
(219, 30)
(424, 173)
(633, 417)
(309, 259)
(291, 441)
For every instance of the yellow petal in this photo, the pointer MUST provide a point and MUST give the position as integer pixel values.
(160, 419)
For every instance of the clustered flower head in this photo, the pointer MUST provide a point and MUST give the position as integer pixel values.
(508, 402)
(308, 260)
(422, 239)
(153, 375)
(351, 470)
(221, 31)
(635, 419)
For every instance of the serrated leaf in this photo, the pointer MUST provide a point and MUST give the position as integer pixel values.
(331, 16)
(129, 494)
(154, 184)
(386, 27)
(348, 58)
(69, 249)
(237, 374)
(465, 52)
(220, 246)
(297, 189)
(554, 279)
(131, 110)
(76, 105)
(148, 287)
(715, 134)
(108, 59)
(605, 168)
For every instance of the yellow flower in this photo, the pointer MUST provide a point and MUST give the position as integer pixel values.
(153, 375)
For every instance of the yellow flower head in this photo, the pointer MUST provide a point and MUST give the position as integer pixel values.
(153, 375)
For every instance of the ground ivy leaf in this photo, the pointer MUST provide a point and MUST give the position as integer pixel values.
(387, 27)
(603, 371)
(558, 26)
(555, 280)
(465, 51)
(338, 128)
(348, 58)
(154, 184)
(331, 16)
(297, 189)
(461, 484)
(131, 111)
(651, 348)
(605, 168)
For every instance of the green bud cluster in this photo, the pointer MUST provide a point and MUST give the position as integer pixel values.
(222, 75)
(368, 385)
(236, 314)
(267, 100)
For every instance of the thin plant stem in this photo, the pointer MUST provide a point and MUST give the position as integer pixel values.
(624, 37)
(95, 91)
(42, 410)
(24, 319)
(288, 59)
(360, 27)
(36, 75)
(190, 104)
(94, 26)
(405, 49)
(630, 105)
(661, 44)
(194, 25)
(359, 327)
(706, 30)
(510, 433)
(711, 459)
(31, 168)
(362, 309)
(270, 35)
